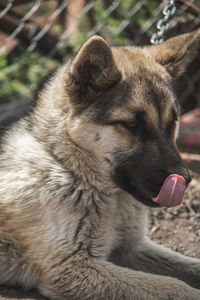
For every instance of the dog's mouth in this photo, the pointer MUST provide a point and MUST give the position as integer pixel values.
(171, 192)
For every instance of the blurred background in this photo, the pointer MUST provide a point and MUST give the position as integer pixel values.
(37, 36)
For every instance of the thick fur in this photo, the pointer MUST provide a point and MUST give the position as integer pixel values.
(75, 175)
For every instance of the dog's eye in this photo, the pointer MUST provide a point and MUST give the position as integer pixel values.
(131, 126)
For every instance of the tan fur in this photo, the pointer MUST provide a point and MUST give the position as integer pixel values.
(67, 227)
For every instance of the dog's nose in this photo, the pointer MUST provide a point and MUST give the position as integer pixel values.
(184, 172)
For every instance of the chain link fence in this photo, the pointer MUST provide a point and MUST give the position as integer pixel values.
(36, 36)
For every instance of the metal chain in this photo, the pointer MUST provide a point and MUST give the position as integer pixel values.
(8, 6)
(163, 24)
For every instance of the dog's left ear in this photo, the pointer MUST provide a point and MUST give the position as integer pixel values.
(176, 53)
(94, 65)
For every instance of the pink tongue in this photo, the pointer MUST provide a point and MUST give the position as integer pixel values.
(172, 191)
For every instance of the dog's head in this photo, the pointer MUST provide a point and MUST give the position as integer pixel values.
(125, 111)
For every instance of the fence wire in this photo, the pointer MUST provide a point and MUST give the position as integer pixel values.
(52, 30)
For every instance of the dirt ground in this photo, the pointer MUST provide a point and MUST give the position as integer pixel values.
(176, 228)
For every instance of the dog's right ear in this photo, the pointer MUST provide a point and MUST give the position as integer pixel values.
(94, 65)
(177, 52)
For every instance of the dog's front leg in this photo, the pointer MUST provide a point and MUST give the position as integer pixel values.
(152, 258)
(94, 279)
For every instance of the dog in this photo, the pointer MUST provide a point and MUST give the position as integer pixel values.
(78, 172)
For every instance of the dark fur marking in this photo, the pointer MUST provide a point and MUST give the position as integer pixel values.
(78, 199)
(88, 249)
(108, 160)
(69, 192)
(80, 225)
(96, 207)
(97, 137)
(102, 198)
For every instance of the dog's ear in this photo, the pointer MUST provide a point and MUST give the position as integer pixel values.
(176, 53)
(94, 65)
